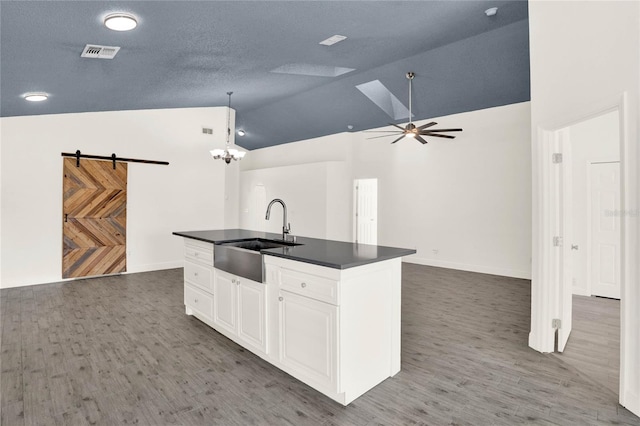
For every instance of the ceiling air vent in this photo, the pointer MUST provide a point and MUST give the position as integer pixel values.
(99, 52)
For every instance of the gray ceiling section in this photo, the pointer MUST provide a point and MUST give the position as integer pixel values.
(189, 54)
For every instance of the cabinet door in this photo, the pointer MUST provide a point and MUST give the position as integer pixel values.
(225, 301)
(308, 339)
(251, 314)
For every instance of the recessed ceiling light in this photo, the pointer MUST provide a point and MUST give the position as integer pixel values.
(120, 22)
(333, 40)
(36, 97)
(491, 11)
(241, 132)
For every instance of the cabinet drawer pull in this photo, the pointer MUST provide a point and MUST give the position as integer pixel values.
(280, 298)
(303, 285)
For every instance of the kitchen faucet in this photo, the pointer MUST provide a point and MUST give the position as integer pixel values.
(286, 227)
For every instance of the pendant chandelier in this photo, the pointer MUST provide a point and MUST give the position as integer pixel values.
(228, 153)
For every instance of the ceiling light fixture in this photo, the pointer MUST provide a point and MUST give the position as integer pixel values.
(36, 97)
(228, 153)
(491, 11)
(241, 132)
(120, 22)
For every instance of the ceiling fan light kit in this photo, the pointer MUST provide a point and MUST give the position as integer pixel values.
(411, 131)
(228, 153)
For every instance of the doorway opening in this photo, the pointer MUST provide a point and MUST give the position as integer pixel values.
(588, 198)
(365, 208)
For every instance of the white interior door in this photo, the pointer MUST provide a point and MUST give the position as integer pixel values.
(564, 225)
(604, 247)
(366, 211)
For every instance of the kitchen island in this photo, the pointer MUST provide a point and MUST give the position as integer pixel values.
(326, 312)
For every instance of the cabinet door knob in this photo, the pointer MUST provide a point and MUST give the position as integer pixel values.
(197, 254)
(238, 282)
(195, 274)
(233, 280)
(280, 298)
(303, 285)
(195, 300)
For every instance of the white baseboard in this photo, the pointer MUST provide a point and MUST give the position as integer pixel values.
(580, 291)
(471, 268)
(631, 401)
(155, 266)
(130, 270)
(536, 344)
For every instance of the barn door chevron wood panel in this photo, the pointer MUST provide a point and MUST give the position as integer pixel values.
(94, 218)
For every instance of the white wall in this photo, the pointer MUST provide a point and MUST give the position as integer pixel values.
(310, 192)
(467, 198)
(568, 84)
(231, 194)
(596, 139)
(161, 199)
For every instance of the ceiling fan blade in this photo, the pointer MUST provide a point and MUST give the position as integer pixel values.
(379, 131)
(438, 135)
(419, 139)
(395, 125)
(424, 126)
(398, 139)
(382, 136)
(444, 130)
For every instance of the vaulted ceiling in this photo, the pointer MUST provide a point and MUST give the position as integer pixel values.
(286, 85)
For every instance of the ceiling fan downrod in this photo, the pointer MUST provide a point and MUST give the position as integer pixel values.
(410, 76)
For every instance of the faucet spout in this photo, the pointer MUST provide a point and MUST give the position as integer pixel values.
(286, 227)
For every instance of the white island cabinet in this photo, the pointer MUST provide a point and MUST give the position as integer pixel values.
(240, 310)
(337, 329)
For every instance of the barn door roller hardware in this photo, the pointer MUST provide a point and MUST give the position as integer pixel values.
(78, 155)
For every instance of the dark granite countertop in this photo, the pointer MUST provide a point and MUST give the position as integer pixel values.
(332, 254)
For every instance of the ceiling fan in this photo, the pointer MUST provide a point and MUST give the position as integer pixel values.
(413, 132)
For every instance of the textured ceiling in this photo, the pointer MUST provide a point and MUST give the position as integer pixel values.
(189, 54)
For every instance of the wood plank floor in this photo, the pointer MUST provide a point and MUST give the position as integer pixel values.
(594, 343)
(120, 350)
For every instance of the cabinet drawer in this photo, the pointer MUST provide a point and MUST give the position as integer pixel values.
(312, 286)
(199, 301)
(199, 252)
(198, 275)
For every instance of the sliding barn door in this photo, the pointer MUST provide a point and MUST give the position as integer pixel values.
(94, 218)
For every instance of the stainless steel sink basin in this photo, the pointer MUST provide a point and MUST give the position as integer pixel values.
(258, 244)
(243, 258)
